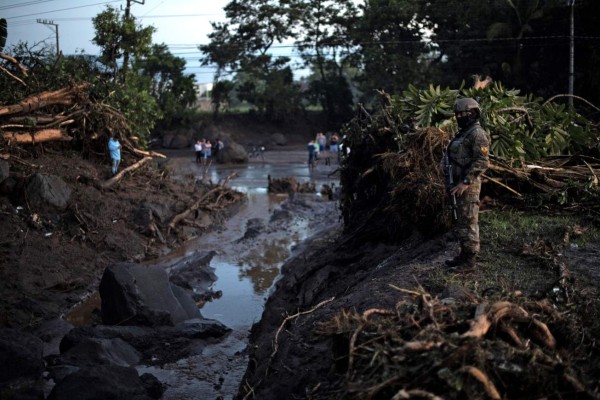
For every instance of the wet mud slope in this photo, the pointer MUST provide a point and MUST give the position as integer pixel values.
(355, 320)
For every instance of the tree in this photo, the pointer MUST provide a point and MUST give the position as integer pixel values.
(323, 39)
(117, 35)
(173, 90)
(392, 51)
(243, 44)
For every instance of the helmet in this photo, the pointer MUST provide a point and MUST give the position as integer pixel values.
(466, 104)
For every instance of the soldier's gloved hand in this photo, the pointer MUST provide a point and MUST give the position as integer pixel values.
(459, 189)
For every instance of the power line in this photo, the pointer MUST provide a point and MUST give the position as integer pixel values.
(65, 9)
(27, 3)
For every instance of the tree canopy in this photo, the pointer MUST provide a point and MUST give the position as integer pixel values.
(354, 48)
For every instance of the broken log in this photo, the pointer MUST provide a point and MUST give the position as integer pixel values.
(147, 153)
(107, 184)
(194, 207)
(62, 96)
(44, 135)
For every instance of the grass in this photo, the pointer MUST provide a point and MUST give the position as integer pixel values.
(521, 251)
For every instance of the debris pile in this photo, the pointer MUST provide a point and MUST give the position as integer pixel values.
(446, 348)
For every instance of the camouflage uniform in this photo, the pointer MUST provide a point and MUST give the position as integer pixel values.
(468, 154)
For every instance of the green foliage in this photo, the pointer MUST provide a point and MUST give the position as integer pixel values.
(136, 103)
(173, 90)
(429, 107)
(522, 128)
(117, 35)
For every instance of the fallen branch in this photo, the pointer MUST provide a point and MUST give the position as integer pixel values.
(117, 177)
(497, 182)
(194, 207)
(147, 153)
(62, 96)
(15, 62)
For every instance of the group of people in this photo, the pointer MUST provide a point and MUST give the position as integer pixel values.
(320, 147)
(205, 150)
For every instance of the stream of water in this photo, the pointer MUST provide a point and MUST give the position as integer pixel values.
(245, 278)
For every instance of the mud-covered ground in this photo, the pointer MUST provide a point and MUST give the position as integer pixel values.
(336, 326)
(51, 261)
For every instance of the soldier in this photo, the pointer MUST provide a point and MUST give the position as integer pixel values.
(467, 154)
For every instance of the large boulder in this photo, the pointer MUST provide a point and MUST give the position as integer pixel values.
(134, 294)
(97, 351)
(20, 356)
(48, 192)
(278, 138)
(233, 153)
(104, 382)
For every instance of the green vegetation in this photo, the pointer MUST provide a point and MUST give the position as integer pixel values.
(354, 49)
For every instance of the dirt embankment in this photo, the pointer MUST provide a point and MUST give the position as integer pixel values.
(51, 258)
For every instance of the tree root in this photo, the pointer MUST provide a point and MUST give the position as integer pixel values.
(488, 386)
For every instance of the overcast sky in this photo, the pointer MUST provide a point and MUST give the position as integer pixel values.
(181, 24)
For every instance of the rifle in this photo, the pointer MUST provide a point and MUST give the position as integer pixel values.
(449, 185)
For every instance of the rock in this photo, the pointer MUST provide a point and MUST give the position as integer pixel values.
(254, 227)
(202, 328)
(134, 294)
(47, 191)
(279, 139)
(180, 141)
(4, 170)
(153, 387)
(95, 351)
(193, 271)
(167, 139)
(51, 333)
(233, 153)
(454, 293)
(8, 185)
(20, 356)
(100, 383)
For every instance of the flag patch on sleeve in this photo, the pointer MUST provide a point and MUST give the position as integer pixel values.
(485, 150)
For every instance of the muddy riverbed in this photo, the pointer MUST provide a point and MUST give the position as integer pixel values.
(250, 248)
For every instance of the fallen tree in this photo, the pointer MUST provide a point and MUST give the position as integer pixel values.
(392, 185)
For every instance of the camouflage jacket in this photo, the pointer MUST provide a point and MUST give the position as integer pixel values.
(468, 153)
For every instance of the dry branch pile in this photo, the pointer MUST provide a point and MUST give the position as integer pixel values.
(392, 184)
(434, 349)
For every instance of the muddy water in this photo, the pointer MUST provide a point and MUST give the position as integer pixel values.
(245, 271)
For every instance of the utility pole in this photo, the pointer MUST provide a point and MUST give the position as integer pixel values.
(46, 22)
(126, 51)
(571, 3)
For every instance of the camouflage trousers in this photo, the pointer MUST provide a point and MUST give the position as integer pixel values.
(467, 226)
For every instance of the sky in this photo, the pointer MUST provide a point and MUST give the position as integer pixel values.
(181, 24)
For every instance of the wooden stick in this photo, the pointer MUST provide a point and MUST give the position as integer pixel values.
(117, 177)
(194, 207)
(503, 185)
(148, 153)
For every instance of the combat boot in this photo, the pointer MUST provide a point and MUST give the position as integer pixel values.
(466, 264)
(454, 261)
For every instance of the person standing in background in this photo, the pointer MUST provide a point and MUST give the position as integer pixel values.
(198, 151)
(321, 141)
(114, 148)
